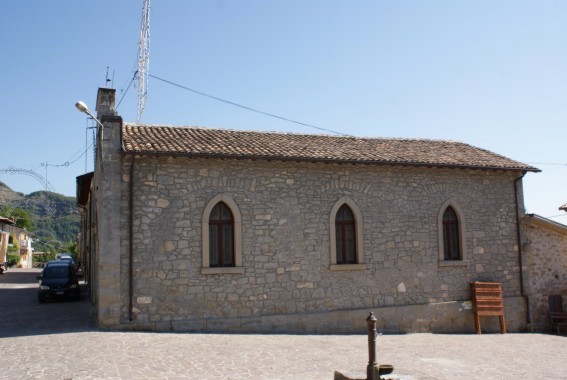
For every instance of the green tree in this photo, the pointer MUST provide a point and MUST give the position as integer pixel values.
(71, 247)
(21, 217)
(49, 255)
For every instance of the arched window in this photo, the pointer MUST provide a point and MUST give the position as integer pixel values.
(221, 237)
(451, 238)
(345, 227)
(345, 232)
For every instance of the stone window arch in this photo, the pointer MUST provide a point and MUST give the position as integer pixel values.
(222, 213)
(451, 235)
(346, 226)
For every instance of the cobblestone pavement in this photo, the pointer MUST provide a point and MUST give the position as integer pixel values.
(58, 340)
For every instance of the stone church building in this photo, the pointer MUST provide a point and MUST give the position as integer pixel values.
(196, 229)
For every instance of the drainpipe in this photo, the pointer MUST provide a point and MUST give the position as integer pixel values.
(87, 231)
(91, 259)
(130, 243)
(519, 237)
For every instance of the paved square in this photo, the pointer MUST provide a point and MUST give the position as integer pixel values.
(58, 340)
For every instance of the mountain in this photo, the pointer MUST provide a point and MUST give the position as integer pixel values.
(55, 217)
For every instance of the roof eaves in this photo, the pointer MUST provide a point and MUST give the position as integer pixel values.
(7, 221)
(547, 223)
(326, 160)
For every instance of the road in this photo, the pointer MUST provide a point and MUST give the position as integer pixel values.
(59, 340)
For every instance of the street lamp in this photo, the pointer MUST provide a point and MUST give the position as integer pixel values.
(81, 106)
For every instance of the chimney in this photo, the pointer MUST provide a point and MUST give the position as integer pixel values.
(105, 102)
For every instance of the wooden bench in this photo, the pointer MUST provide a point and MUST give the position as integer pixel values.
(487, 301)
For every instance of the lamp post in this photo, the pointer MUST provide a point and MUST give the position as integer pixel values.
(81, 106)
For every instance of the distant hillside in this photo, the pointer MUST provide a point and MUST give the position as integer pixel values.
(54, 216)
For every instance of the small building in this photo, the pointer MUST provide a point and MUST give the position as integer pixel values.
(6, 228)
(546, 266)
(25, 248)
(197, 229)
(10, 234)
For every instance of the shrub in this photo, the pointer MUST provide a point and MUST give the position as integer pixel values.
(13, 260)
(47, 256)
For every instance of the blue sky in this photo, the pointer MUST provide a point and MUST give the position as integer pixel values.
(489, 73)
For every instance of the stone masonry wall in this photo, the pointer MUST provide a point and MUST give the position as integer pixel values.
(108, 230)
(546, 252)
(285, 211)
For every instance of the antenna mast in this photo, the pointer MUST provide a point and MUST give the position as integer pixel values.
(143, 60)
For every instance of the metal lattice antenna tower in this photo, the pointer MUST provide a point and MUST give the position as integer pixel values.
(143, 60)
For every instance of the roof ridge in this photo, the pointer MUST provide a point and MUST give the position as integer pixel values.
(295, 133)
(237, 144)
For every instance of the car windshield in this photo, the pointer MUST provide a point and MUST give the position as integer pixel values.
(56, 272)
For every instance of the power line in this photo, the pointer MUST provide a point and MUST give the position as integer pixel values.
(546, 163)
(127, 88)
(82, 154)
(66, 163)
(556, 216)
(71, 160)
(246, 107)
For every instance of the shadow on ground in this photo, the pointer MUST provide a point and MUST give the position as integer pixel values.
(21, 314)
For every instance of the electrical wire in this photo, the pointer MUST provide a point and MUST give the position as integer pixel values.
(127, 88)
(546, 163)
(246, 107)
(82, 154)
(72, 159)
(556, 216)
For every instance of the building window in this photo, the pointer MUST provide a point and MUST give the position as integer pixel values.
(451, 241)
(346, 236)
(222, 237)
(221, 233)
(452, 235)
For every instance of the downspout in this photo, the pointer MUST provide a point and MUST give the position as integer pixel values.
(91, 264)
(86, 263)
(130, 242)
(519, 237)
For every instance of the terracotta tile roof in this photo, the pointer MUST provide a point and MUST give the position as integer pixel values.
(222, 143)
(7, 221)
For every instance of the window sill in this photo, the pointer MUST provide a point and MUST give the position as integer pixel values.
(454, 263)
(224, 270)
(343, 267)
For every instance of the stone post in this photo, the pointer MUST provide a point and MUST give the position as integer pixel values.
(372, 368)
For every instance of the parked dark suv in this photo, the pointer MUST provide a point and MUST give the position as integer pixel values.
(58, 280)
